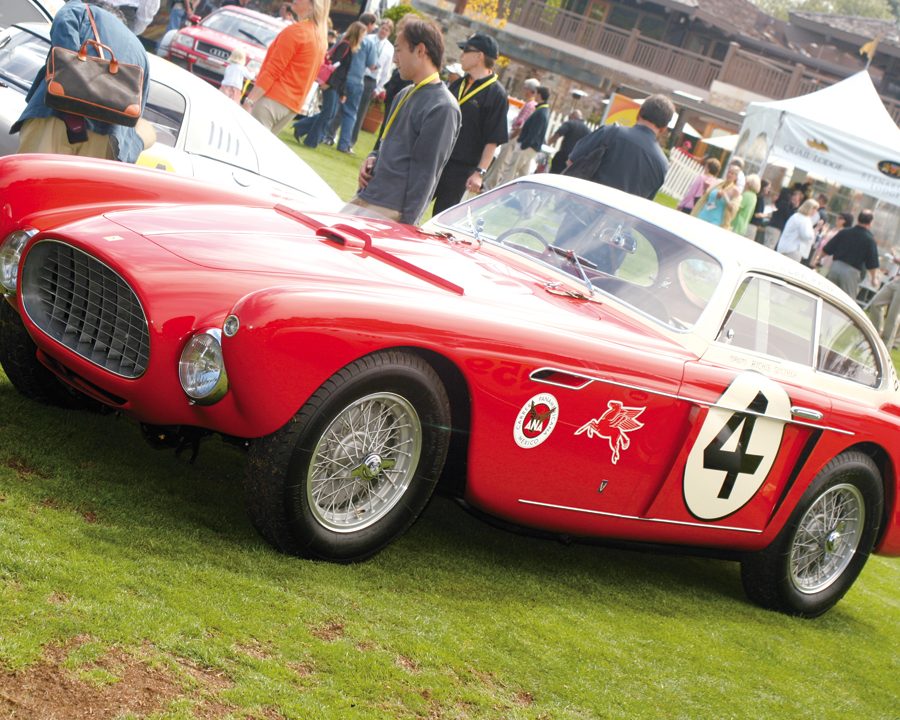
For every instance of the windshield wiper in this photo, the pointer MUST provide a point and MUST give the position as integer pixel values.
(579, 262)
(252, 37)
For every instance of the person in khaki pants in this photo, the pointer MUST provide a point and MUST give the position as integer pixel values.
(44, 130)
(884, 309)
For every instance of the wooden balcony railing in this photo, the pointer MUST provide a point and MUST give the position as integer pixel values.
(769, 78)
(629, 47)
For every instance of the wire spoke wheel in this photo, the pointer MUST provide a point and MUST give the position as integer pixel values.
(364, 462)
(824, 544)
(827, 537)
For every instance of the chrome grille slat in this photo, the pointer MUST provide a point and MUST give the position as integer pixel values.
(86, 306)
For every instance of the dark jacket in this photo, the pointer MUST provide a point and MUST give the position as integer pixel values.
(535, 128)
(632, 160)
(340, 53)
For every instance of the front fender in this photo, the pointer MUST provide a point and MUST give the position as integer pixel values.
(292, 340)
(45, 191)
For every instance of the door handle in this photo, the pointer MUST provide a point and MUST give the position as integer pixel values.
(806, 413)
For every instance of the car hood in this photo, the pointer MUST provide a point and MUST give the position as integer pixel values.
(266, 240)
(283, 245)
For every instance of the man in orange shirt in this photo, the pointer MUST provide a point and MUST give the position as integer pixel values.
(290, 66)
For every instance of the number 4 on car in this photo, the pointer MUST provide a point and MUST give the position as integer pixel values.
(555, 354)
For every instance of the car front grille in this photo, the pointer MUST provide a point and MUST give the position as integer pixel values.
(213, 50)
(206, 74)
(84, 305)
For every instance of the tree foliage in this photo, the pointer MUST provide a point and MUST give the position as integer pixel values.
(491, 12)
(883, 9)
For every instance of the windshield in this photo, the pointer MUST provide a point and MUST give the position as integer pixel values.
(242, 27)
(652, 270)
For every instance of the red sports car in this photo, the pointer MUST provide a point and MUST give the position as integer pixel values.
(204, 48)
(561, 356)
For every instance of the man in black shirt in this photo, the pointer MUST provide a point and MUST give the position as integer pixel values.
(531, 138)
(484, 105)
(786, 204)
(854, 251)
(632, 159)
(571, 131)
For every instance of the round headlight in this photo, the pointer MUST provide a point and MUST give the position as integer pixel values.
(201, 368)
(183, 40)
(10, 254)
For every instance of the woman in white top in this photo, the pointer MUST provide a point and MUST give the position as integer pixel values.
(798, 235)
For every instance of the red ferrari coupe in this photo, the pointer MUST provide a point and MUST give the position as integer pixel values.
(561, 356)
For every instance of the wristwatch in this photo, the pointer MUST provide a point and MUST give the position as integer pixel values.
(481, 171)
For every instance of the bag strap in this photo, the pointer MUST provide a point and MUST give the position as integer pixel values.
(330, 54)
(99, 44)
(100, 47)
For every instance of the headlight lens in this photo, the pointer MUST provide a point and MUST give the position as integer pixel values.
(10, 254)
(201, 368)
(184, 40)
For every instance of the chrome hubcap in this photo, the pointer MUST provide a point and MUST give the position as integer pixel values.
(364, 462)
(827, 538)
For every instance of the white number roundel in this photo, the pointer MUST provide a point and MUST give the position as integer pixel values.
(736, 447)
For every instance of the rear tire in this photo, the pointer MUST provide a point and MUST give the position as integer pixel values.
(824, 544)
(356, 465)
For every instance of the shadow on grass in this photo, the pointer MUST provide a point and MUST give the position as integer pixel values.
(137, 497)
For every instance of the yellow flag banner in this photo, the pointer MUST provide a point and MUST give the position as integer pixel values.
(869, 48)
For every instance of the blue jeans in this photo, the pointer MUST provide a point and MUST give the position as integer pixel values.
(348, 116)
(316, 126)
(176, 17)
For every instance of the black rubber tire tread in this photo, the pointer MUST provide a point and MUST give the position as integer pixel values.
(765, 575)
(273, 498)
(19, 360)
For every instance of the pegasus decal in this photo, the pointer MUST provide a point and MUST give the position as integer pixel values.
(614, 425)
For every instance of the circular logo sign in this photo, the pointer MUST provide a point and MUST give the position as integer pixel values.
(890, 168)
(536, 421)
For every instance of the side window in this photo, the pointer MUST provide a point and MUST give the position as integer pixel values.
(844, 349)
(165, 111)
(770, 318)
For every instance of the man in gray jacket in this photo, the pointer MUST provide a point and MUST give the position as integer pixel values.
(398, 179)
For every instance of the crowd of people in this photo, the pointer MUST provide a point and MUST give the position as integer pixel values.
(467, 110)
(796, 225)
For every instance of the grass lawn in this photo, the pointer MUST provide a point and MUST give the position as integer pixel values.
(125, 570)
(133, 586)
(337, 169)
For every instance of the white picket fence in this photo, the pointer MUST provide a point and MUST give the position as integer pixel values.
(683, 169)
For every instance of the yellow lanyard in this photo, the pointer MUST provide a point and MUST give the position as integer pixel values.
(542, 105)
(472, 93)
(429, 79)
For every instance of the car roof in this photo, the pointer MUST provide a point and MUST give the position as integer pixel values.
(12, 12)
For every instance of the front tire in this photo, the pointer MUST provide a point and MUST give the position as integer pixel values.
(825, 543)
(356, 465)
(18, 357)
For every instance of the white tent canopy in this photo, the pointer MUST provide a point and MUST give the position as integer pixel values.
(842, 132)
(724, 142)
